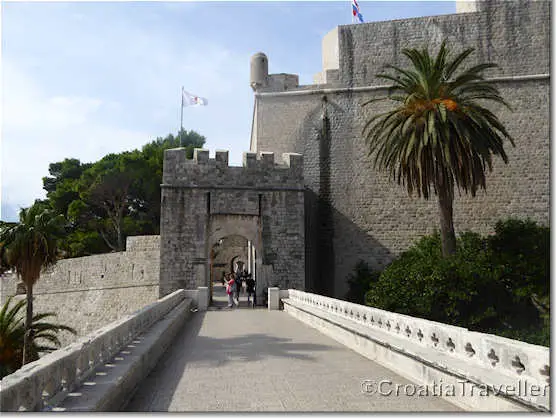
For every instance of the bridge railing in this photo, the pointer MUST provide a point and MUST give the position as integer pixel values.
(514, 359)
(48, 380)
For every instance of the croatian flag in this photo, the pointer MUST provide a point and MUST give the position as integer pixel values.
(356, 11)
(192, 100)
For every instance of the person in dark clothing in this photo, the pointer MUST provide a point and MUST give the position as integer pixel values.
(238, 283)
(250, 288)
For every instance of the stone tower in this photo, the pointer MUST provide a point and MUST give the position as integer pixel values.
(205, 200)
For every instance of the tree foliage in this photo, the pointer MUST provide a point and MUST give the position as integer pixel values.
(31, 246)
(496, 284)
(12, 330)
(114, 197)
(359, 282)
(440, 134)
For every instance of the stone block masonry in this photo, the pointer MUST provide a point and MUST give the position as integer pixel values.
(205, 200)
(90, 292)
(354, 211)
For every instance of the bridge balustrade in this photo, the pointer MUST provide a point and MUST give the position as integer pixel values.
(479, 358)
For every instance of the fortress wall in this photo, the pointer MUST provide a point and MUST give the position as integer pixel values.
(513, 34)
(279, 126)
(92, 291)
(204, 200)
(183, 232)
(267, 170)
(371, 217)
(231, 247)
(375, 220)
(143, 243)
(282, 233)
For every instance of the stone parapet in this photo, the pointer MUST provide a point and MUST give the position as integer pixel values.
(143, 243)
(517, 373)
(258, 170)
(43, 384)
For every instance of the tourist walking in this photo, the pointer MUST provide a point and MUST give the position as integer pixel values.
(231, 287)
(238, 283)
(250, 288)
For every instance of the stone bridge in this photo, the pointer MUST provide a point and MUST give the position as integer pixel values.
(305, 352)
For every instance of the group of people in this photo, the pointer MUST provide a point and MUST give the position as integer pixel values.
(234, 282)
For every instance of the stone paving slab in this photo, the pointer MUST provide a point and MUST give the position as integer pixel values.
(259, 360)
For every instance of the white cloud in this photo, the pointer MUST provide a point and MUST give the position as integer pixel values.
(110, 88)
(39, 130)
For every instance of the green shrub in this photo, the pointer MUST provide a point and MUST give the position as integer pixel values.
(359, 282)
(522, 247)
(497, 284)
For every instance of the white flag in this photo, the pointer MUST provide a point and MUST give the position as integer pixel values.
(192, 100)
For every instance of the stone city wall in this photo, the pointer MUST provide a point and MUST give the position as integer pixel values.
(65, 380)
(513, 34)
(90, 292)
(355, 212)
(231, 247)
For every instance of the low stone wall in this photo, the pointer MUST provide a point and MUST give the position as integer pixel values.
(45, 383)
(488, 372)
(143, 243)
(89, 292)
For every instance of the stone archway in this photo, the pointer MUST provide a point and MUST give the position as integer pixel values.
(223, 226)
(227, 255)
(204, 200)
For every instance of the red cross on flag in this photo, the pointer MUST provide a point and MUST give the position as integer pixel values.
(192, 100)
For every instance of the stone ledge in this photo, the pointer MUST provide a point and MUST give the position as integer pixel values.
(110, 386)
(415, 362)
(45, 382)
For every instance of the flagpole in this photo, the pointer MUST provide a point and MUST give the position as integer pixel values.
(181, 116)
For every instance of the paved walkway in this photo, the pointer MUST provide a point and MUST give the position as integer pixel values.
(259, 360)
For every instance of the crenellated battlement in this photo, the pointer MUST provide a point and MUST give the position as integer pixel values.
(250, 160)
(257, 170)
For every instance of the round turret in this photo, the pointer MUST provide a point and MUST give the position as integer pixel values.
(259, 70)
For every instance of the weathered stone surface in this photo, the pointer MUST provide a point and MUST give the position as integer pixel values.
(92, 291)
(273, 300)
(431, 353)
(262, 201)
(52, 380)
(355, 212)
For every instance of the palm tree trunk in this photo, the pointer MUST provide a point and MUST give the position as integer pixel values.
(448, 237)
(27, 338)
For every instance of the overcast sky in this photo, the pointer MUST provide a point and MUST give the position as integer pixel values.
(81, 80)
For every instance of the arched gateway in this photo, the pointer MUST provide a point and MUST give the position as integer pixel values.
(205, 200)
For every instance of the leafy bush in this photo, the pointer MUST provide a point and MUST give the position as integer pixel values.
(360, 282)
(522, 247)
(497, 284)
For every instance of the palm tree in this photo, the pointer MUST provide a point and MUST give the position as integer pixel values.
(12, 331)
(440, 134)
(30, 247)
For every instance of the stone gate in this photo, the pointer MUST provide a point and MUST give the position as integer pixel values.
(205, 200)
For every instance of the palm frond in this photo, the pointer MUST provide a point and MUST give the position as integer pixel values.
(441, 129)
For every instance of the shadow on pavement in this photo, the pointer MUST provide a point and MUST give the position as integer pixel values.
(190, 347)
